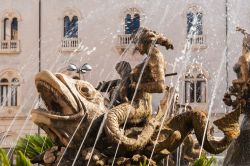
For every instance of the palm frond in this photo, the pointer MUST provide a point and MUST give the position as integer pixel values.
(21, 160)
(33, 145)
(144, 163)
(204, 161)
(3, 158)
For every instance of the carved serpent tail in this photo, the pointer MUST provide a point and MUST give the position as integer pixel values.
(137, 113)
(196, 120)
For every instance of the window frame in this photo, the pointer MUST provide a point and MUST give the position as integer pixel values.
(71, 12)
(10, 14)
(195, 74)
(14, 36)
(4, 87)
(72, 22)
(10, 75)
(133, 27)
(196, 10)
(193, 99)
(131, 11)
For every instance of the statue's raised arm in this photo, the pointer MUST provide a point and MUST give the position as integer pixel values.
(151, 71)
(242, 30)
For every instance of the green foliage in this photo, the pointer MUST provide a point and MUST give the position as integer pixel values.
(21, 160)
(30, 146)
(204, 161)
(3, 158)
(144, 163)
(33, 145)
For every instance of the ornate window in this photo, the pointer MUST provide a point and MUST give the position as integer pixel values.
(9, 42)
(4, 92)
(194, 21)
(189, 88)
(70, 41)
(10, 25)
(71, 27)
(201, 89)
(9, 89)
(132, 23)
(10, 29)
(6, 28)
(14, 29)
(131, 20)
(195, 85)
(13, 88)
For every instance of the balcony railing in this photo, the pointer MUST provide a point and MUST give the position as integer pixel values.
(196, 41)
(9, 46)
(71, 44)
(124, 40)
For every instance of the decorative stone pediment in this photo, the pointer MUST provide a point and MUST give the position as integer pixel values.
(194, 8)
(196, 69)
(71, 12)
(10, 14)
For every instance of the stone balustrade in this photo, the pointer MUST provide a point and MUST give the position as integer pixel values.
(10, 46)
(71, 44)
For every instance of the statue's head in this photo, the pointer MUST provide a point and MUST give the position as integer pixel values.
(143, 40)
(245, 41)
(123, 68)
(242, 67)
(67, 101)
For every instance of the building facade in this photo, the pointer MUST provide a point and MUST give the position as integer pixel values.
(50, 35)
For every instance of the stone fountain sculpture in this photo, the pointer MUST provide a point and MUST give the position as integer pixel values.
(239, 151)
(76, 115)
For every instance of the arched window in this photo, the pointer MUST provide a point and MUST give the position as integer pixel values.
(10, 29)
(194, 16)
(132, 24)
(194, 23)
(4, 92)
(74, 27)
(195, 85)
(71, 27)
(128, 23)
(14, 29)
(136, 22)
(9, 38)
(14, 85)
(6, 29)
(66, 26)
(189, 88)
(200, 88)
(9, 88)
(10, 19)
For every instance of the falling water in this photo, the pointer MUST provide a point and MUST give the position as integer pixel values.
(213, 97)
(100, 128)
(104, 119)
(187, 54)
(36, 101)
